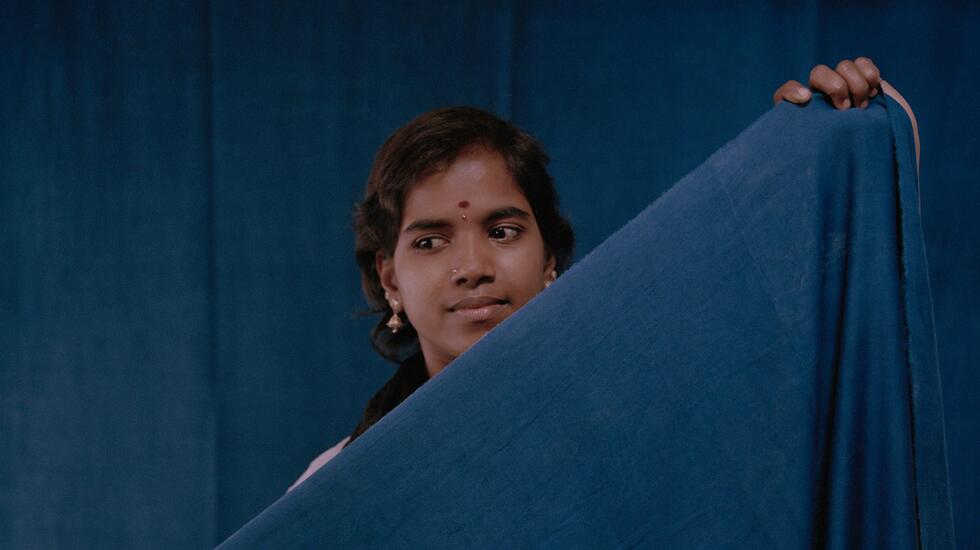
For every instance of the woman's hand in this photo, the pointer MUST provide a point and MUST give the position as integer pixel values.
(851, 84)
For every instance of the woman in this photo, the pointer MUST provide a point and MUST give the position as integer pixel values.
(460, 227)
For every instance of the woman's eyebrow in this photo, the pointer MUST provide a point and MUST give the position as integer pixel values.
(506, 212)
(498, 214)
(426, 224)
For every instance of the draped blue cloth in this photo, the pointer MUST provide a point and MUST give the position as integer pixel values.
(748, 363)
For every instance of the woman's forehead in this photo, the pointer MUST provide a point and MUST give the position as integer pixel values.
(478, 180)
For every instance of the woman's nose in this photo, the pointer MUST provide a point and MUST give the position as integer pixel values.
(473, 264)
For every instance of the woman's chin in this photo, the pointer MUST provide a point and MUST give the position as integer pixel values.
(472, 335)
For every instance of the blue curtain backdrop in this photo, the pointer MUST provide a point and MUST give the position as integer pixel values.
(178, 299)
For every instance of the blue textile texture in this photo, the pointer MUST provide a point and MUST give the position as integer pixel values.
(748, 363)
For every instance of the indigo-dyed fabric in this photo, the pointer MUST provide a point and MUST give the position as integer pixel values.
(748, 363)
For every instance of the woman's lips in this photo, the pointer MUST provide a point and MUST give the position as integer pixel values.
(478, 308)
(481, 313)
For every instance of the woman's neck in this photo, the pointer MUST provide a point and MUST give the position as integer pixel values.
(435, 361)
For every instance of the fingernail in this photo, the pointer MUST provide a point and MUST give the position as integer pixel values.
(864, 104)
(846, 104)
(874, 92)
(803, 93)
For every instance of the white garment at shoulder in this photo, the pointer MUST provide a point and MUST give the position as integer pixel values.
(319, 461)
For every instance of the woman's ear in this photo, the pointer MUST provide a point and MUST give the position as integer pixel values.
(385, 266)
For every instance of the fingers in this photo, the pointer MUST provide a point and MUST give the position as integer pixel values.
(871, 74)
(824, 79)
(792, 91)
(856, 83)
(851, 84)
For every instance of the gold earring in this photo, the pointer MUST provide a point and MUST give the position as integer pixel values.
(395, 322)
(551, 278)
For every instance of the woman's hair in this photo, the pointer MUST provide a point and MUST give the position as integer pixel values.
(426, 145)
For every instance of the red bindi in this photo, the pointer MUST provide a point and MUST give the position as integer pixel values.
(464, 204)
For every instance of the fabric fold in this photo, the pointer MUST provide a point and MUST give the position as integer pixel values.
(750, 362)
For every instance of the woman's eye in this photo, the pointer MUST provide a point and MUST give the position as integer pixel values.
(505, 233)
(429, 243)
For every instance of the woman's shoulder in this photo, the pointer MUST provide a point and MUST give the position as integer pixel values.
(318, 462)
(411, 374)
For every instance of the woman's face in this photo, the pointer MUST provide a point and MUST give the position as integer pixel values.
(469, 254)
